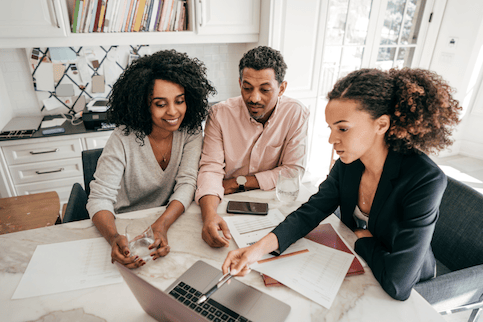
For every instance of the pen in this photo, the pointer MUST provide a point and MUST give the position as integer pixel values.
(225, 278)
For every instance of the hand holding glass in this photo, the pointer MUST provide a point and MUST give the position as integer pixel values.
(140, 238)
(288, 185)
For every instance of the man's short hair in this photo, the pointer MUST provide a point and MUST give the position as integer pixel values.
(263, 57)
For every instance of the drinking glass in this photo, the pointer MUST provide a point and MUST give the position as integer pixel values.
(139, 238)
(288, 185)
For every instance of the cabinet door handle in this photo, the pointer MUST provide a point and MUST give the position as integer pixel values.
(201, 13)
(53, 171)
(55, 14)
(42, 152)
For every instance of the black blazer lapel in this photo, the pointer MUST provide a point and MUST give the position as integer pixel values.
(350, 192)
(385, 187)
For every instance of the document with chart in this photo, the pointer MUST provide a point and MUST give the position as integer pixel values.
(68, 266)
(317, 274)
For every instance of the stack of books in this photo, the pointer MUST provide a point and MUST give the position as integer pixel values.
(129, 16)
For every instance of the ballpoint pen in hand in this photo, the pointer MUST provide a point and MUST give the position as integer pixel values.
(225, 278)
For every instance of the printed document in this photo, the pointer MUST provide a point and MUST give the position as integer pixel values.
(317, 274)
(68, 266)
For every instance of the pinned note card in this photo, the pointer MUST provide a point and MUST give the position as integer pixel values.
(65, 90)
(44, 77)
(98, 85)
(62, 55)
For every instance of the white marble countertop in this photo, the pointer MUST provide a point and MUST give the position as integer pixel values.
(360, 298)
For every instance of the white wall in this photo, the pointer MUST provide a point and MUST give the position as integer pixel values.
(460, 66)
(6, 111)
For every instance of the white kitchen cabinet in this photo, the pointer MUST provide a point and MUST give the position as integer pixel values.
(216, 17)
(61, 186)
(33, 18)
(42, 151)
(97, 142)
(45, 164)
(297, 30)
(223, 21)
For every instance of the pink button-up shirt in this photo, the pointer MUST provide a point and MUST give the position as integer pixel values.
(235, 144)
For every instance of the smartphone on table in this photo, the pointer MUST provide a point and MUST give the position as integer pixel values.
(247, 208)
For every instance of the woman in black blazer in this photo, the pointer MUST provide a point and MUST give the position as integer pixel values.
(388, 190)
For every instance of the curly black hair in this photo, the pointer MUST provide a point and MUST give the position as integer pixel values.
(419, 102)
(263, 57)
(131, 96)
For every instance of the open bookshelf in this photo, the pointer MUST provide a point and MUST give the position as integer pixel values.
(121, 16)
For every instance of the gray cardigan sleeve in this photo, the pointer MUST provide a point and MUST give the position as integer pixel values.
(185, 186)
(108, 176)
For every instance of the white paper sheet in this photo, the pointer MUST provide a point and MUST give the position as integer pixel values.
(68, 266)
(53, 122)
(44, 77)
(317, 274)
(247, 229)
(52, 103)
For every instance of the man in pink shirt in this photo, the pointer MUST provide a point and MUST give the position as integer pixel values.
(249, 138)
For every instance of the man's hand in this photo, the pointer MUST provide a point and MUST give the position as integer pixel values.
(211, 226)
(230, 186)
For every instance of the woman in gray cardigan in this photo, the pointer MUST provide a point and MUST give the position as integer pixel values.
(151, 158)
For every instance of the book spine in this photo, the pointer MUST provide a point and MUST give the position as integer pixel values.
(108, 18)
(93, 15)
(75, 16)
(163, 15)
(133, 15)
(147, 15)
(173, 15)
(88, 14)
(158, 17)
(128, 17)
(80, 17)
(102, 15)
(186, 17)
(153, 15)
(122, 21)
(178, 16)
(138, 16)
(84, 14)
(97, 15)
(168, 15)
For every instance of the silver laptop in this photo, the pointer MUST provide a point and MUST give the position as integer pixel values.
(233, 302)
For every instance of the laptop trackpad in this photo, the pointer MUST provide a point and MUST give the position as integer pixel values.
(237, 296)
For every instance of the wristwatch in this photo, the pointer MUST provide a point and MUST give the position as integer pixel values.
(241, 180)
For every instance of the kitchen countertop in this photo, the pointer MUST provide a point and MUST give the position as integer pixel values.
(69, 130)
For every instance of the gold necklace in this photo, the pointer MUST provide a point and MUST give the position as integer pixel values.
(167, 151)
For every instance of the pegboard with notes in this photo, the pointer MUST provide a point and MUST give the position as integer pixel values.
(70, 77)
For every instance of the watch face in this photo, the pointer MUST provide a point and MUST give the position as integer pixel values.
(241, 180)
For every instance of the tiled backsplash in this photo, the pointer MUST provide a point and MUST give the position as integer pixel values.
(221, 61)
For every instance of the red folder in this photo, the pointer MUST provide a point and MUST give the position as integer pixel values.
(326, 235)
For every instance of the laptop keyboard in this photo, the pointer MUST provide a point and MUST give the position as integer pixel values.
(209, 309)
